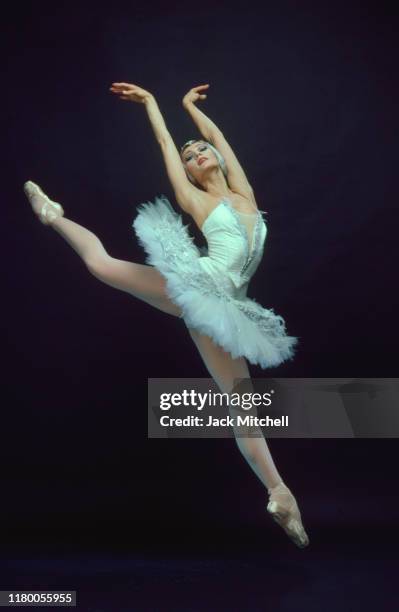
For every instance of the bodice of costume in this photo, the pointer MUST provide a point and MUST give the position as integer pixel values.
(235, 241)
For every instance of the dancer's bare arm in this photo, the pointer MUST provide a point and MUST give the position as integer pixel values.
(187, 196)
(236, 176)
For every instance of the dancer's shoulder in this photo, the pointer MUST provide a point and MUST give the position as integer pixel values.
(191, 200)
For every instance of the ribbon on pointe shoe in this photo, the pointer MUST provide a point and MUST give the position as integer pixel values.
(47, 215)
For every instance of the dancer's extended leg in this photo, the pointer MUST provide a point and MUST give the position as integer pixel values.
(225, 371)
(141, 281)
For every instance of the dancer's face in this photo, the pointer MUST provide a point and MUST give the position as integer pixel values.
(199, 160)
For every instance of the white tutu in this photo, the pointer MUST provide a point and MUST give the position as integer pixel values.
(210, 284)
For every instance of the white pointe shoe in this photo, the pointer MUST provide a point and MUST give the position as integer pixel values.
(49, 210)
(284, 510)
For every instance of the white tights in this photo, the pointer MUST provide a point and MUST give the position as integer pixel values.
(147, 284)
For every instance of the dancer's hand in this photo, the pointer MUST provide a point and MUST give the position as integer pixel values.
(130, 92)
(193, 95)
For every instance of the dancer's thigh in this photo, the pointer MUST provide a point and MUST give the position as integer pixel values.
(227, 373)
(140, 280)
(223, 368)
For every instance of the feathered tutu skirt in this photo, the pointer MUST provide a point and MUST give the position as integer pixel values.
(209, 302)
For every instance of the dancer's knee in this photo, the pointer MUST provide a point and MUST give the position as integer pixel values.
(98, 265)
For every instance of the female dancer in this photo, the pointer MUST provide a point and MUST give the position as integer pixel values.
(207, 292)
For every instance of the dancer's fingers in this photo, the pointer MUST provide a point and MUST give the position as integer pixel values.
(123, 84)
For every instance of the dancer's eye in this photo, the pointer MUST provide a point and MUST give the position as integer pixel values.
(201, 148)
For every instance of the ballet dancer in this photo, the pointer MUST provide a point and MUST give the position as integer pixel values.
(206, 288)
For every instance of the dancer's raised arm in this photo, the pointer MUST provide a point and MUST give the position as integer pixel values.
(235, 174)
(185, 193)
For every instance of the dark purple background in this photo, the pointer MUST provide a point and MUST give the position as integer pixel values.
(306, 94)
